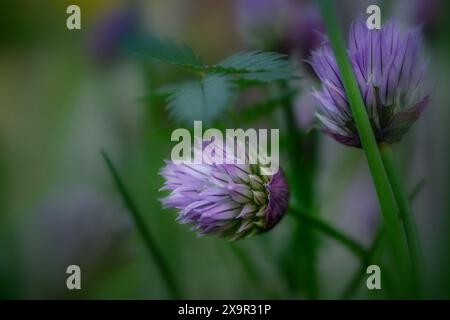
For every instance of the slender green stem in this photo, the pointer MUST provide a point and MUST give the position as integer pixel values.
(251, 270)
(372, 255)
(383, 187)
(416, 190)
(406, 213)
(301, 187)
(151, 245)
(375, 250)
(327, 229)
(293, 145)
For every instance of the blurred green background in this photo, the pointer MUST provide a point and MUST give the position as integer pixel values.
(66, 95)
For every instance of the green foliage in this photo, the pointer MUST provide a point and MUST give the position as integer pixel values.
(206, 98)
(201, 100)
(258, 66)
(154, 251)
(166, 50)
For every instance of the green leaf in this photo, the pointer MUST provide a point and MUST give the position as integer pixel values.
(166, 50)
(154, 251)
(320, 225)
(258, 66)
(201, 100)
(375, 250)
(253, 67)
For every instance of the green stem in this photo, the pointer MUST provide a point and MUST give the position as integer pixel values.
(302, 191)
(416, 190)
(337, 235)
(151, 245)
(383, 187)
(372, 256)
(293, 145)
(406, 213)
(375, 250)
(251, 271)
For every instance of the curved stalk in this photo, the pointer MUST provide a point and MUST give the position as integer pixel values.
(302, 191)
(327, 229)
(372, 256)
(380, 178)
(252, 271)
(406, 213)
(151, 245)
(375, 250)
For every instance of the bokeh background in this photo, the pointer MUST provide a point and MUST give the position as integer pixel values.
(67, 95)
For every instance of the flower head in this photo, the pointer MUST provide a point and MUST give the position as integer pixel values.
(304, 30)
(428, 13)
(109, 35)
(231, 200)
(390, 76)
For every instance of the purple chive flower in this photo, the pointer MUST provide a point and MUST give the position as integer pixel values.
(429, 13)
(111, 32)
(305, 29)
(231, 200)
(390, 76)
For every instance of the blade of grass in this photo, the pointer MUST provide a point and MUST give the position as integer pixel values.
(319, 225)
(380, 178)
(150, 243)
(301, 186)
(251, 270)
(416, 190)
(373, 255)
(406, 214)
(374, 251)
